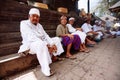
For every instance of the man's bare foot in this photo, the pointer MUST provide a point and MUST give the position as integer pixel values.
(70, 56)
(55, 58)
(82, 50)
(87, 50)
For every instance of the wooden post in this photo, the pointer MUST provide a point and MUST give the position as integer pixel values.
(88, 6)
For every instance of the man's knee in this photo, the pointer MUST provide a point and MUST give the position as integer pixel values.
(55, 39)
(38, 44)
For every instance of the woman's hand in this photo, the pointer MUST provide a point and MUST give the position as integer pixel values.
(71, 36)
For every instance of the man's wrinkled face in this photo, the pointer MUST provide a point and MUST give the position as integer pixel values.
(71, 22)
(34, 18)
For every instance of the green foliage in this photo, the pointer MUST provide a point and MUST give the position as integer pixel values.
(103, 6)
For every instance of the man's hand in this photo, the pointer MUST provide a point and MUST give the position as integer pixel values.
(79, 29)
(52, 49)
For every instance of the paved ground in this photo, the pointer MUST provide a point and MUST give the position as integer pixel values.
(102, 63)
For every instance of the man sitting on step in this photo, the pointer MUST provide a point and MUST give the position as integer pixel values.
(37, 41)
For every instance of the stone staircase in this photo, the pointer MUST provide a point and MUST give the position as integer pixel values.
(11, 13)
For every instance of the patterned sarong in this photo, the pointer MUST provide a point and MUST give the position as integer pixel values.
(75, 41)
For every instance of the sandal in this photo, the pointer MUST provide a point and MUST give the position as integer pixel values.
(60, 59)
(82, 50)
(51, 73)
(54, 59)
(87, 51)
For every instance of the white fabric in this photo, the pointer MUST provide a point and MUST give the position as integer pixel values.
(71, 28)
(86, 27)
(72, 18)
(96, 29)
(34, 11)
(81, 34)
(100, 34)
(35, 39)
(42, 54)
(116, 25)
(113, 32)
(118, 33)
(96, 21)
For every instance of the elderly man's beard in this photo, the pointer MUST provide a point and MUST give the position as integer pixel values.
(35, 22)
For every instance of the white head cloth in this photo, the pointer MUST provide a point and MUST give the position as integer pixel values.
(72, 18)
(34, 11)
(96, 21)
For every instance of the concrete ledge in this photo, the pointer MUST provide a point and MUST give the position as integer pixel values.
(18, 64)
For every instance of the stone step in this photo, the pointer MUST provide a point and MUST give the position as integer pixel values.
(10, 37)
(11, 48)
(9, 57)
(6, 26)
(13, 64)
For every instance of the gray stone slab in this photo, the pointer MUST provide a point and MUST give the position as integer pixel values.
(102, 63)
